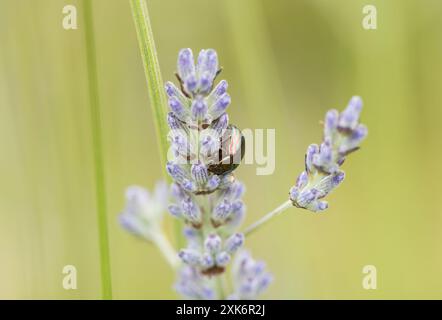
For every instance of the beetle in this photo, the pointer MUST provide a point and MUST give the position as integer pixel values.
(232, 146)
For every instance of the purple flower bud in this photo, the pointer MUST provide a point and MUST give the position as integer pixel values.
(207, 261)
(173, 122)
(191, 83)
(246, 288)
(257, 268)
(237, 215)
(237, 206)
(199, 109)
(352, 142)
(199, 174)
(190, 257)
(185, 64)
(173, 92)
(222, 259)
(312, 150)
(222, 210)
(250, 276)
(175, 210)
(322, 205)
(177, 192)
(190, 233)
(212, 243)
(213, 182)
(205, 83)
(328, 183)
(208, 63)
(220, 125)
(330, 123)
(324, 160)
(219, 90)
(234, 191)
(207, 68)
(178, 109)
(264, 282)
(191, 211)
(188, 185)
(315, 192)
(305, 197)
(129, 222)
(234, 242)
(348, 119)
(317, 206)
(169, 87)
(193, 285)
(355, 104)
(294, 193)
(325, 152)
(220, 106)
(338, 178)
(359, 133)
(302, 180)
(176, 172)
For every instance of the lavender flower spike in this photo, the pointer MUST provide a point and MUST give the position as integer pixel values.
(144, 212)
(342, 135)
(250, 277)
(143, 216)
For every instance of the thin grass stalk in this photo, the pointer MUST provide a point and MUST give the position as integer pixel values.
(155, 85)
(152, 71)
(106, 283)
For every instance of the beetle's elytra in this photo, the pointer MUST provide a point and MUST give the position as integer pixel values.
(230, 153)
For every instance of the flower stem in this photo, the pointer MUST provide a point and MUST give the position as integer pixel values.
(155, 88)
(166, 249)
(106, 281)
(220, 281)
(253, 227)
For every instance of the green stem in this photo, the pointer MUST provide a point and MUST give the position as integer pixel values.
(220, 281)
(166, 249)
(284, 206)
(106, 281)
(155, 87)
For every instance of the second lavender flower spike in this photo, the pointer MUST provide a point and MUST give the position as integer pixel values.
(342, 135)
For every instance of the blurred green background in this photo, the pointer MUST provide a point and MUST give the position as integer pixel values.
(287, 62)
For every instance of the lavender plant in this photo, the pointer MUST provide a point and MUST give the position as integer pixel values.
(205, 194)
(206, 149)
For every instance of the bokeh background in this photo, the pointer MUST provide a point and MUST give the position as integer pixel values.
(287, 62)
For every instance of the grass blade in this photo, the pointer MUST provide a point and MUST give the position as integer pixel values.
(106, 283)
(155, 84)
(157, 97)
